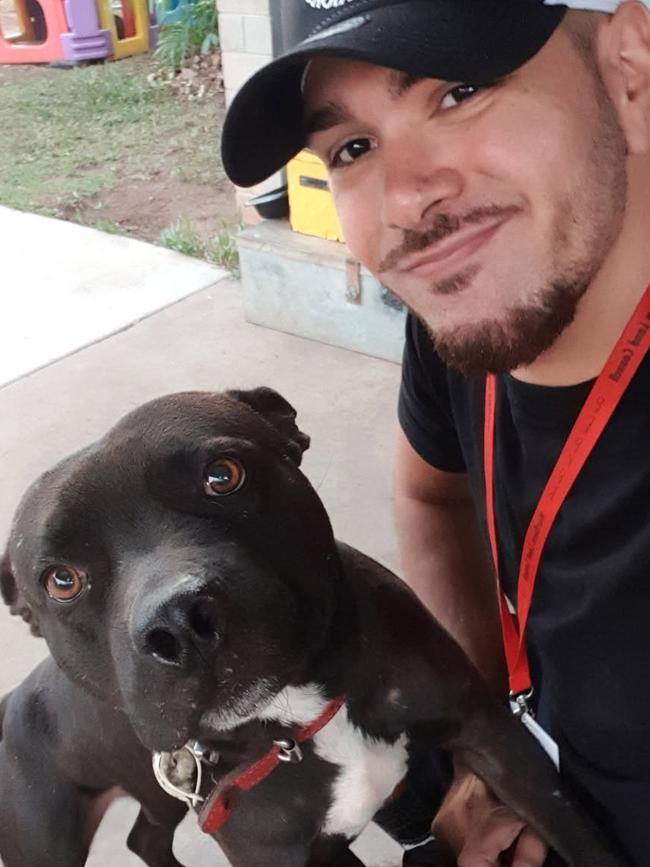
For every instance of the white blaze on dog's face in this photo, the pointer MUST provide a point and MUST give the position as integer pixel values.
(182, 564)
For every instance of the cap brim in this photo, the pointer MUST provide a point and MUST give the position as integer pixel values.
(437, 39)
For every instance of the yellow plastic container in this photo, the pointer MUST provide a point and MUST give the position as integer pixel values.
(311, 206)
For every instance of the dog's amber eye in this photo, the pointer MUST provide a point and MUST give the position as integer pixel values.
(224, 476)
(63, 583)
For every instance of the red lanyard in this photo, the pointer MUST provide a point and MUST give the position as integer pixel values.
(603, 399)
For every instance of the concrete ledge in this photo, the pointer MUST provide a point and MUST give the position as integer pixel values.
(310, 287)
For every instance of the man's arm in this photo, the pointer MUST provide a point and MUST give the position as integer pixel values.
(444, 559)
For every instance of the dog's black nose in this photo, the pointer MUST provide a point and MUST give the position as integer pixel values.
(182, 631)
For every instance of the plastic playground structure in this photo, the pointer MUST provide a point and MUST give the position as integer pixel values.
(45, 31)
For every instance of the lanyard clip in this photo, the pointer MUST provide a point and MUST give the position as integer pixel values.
(520, 703)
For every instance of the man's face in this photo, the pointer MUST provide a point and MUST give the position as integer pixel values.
(488, 211)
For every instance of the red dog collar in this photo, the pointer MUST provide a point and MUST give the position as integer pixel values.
(217, 808)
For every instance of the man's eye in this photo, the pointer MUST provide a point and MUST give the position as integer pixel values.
(350, 152)
(458, 94)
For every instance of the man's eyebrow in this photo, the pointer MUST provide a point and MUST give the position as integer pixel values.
(325, 118)
(333, 114)
(401, 82)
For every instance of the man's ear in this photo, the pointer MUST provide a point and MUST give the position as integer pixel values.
(279, 413)
(624, 61)
(12, 596)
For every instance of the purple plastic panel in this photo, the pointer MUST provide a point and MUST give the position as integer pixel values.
(86, 40)
(80, 48)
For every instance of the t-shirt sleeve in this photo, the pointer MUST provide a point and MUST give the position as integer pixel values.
(424, 408)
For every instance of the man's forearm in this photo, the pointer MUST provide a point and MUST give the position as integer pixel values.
(444, 562)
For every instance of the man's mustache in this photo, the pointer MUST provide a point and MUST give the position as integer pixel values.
(442, 227)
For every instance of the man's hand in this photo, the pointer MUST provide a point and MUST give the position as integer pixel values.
(479, 829)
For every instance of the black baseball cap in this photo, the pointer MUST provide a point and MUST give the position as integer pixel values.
(469, 41)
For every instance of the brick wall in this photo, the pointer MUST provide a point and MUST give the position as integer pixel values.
(246, 44)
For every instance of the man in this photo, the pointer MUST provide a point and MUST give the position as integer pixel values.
(490, 163)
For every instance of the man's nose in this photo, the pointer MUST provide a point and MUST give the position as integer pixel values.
(181, 628)
(418, 182)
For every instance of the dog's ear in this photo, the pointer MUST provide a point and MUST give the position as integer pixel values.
(13, 598)
(278, 412)
(8, 588)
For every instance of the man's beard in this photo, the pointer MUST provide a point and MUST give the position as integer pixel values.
(501, 346)
(595, 207)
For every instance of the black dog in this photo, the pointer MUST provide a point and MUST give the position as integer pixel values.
(184, 575)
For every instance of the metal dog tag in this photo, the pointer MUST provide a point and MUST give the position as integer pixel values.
(180, 773)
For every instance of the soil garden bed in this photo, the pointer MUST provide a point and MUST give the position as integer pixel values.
(120, 147)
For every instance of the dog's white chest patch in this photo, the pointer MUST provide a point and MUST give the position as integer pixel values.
(369, 769)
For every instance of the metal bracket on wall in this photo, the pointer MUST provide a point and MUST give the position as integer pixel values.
(352, 281)
(389, 299)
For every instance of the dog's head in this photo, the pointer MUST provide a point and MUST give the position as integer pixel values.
(182, 567)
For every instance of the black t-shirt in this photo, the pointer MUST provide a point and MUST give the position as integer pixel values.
(589, 624)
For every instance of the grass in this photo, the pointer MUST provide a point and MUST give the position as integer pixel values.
(68, 134)
(221, 249)
(71, 134)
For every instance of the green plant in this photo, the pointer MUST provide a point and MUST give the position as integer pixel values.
(195, 32)
(108, 226)
(221, 250)
(182, 238)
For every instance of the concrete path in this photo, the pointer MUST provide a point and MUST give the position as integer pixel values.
(65, 286)
(344, 400)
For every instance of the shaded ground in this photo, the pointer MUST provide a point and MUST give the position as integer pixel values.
(344, 399)
(106, 146)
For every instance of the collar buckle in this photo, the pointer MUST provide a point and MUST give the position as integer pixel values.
(290, 752)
